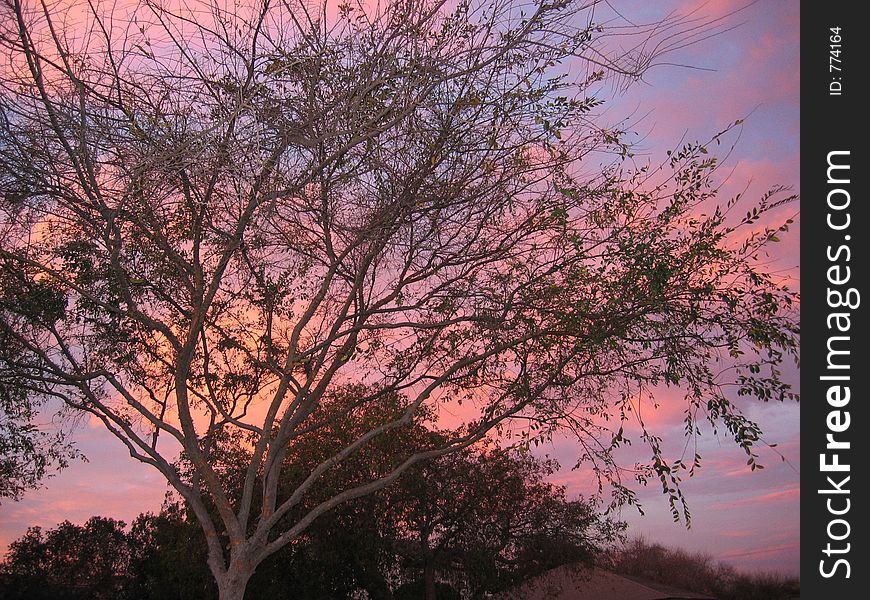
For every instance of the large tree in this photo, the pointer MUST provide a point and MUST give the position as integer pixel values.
(216, 215)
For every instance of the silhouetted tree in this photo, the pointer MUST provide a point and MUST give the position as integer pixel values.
(468, 523)
(482, 518)
(70, 562)
(168, 558)
(487, 519)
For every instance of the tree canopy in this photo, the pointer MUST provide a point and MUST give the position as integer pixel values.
(219, 218)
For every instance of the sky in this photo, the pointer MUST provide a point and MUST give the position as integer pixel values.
(749, 519)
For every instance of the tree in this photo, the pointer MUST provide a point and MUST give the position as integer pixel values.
(168, 557)
(482, 518)
(487, 520)
(27, 454)
(70, 562)
(214, 218)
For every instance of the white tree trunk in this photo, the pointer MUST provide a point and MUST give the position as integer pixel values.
(233, 584)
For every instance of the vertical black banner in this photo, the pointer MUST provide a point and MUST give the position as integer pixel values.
(835, 425)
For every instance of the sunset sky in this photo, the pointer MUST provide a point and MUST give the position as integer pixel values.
(747, 519)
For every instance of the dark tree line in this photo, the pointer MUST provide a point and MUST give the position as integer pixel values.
(473, 522)
(698, 572)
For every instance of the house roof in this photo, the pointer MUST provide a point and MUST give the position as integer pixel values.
(571, 583)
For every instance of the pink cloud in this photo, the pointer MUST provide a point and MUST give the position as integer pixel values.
(789, 495)
(767, 551)
(742, 533)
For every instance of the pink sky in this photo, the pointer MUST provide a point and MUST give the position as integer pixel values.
(747, 519)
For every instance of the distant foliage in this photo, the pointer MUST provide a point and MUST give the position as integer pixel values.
(468, 524)
(70, 562)
(698, 572)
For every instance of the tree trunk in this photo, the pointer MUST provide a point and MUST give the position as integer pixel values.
(429, 580)
(232, 585)
(373, 582)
